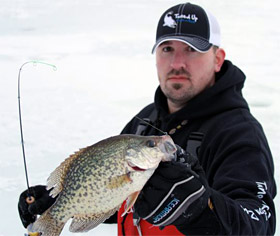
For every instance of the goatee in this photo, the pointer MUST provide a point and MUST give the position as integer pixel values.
(177, 86)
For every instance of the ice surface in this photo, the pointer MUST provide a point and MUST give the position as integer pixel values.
(105, 75)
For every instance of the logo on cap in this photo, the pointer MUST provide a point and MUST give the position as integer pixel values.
(169, 21)
(191, 18)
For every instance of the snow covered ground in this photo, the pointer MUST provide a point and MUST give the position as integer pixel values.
(105, 74)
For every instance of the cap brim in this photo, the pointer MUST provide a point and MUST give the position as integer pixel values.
(200, 45)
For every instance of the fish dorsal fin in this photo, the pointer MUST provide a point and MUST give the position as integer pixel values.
(84, 223)
(56, 178)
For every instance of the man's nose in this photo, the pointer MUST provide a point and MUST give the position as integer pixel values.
(178, 60)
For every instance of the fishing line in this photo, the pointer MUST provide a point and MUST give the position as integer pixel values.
(147, 123)
(20, 116)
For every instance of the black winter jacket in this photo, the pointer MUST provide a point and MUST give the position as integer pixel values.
(234, 155)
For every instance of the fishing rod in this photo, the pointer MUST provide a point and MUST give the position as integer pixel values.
(30, 199)
(149, 124)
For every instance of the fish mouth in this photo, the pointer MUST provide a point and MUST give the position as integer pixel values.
(134, 167)
(169, 148)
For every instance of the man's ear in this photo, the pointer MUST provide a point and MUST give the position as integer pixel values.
(220, 58)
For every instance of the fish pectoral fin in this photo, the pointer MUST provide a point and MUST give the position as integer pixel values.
(130, 202)
(119, 181)
(84, 223)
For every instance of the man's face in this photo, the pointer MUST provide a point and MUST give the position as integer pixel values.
(183, 72)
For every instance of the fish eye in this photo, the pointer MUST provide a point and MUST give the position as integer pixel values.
(151, 143)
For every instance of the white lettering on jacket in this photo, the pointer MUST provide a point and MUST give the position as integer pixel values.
(250, 213)
(262, 187)
(170, 206)
(264, 209)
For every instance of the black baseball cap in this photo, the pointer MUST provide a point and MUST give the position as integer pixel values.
(190, 24)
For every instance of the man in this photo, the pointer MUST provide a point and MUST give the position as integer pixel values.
(222, 182)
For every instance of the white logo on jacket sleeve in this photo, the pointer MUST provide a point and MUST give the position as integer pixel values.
(262, 187)
(169, 21)
(264, 209)
(251, 213)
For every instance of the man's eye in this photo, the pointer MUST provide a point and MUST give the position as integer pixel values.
(190, 49)
(167, 49)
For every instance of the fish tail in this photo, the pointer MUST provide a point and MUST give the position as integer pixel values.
(47, 225)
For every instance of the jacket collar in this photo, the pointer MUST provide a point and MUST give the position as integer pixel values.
(224, 95)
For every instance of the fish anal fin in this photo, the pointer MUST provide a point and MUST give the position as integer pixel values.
(130, 202)
(84, 223)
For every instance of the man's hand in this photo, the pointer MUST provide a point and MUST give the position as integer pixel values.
(28, 211)
(176, 194)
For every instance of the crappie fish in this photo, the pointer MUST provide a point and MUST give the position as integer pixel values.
(93, 183)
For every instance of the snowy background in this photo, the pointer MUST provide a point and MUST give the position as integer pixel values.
(105, 74)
